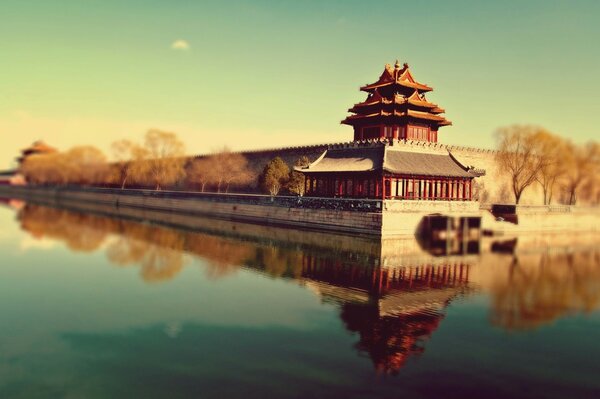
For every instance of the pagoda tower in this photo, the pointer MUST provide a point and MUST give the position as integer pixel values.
(38, 147)
(396, 108)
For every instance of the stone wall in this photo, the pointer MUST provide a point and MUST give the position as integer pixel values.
(364, 219)
(361, 216)
(350, 216)
(561, 218)
(494, 187)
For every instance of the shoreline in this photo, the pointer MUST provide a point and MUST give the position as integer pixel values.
(362, 217)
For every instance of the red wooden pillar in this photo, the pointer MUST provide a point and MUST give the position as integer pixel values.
(471, 190)
(429, 189)
(456, 188)
(402, 188)
(447, 189)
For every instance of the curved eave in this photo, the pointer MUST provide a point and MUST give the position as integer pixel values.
(419, 86)
(308, 171)
(466, 175)
(427, 116)
(379, 104)
(423, 104)
(439, 120)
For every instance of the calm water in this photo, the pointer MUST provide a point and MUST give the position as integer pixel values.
(102, 307)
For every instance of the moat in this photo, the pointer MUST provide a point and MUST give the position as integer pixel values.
(96, 306)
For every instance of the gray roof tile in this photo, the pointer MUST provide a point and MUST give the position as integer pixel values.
(386, 158)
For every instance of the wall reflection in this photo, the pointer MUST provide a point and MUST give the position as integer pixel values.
(393, 293)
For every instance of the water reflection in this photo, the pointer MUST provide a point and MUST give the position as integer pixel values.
(393, 293)
(542, 287)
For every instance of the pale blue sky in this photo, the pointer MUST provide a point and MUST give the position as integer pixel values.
(262, 74)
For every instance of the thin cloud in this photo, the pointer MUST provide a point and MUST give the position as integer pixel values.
(180, 44)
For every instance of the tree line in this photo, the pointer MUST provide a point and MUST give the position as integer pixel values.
(159, 161)
(530, 155)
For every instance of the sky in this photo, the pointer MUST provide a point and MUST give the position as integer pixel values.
(263, 74)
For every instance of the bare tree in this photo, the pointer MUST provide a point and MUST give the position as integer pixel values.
(33, 169)
(46, 169)
(231, 168)
(166, 160)
(222, 169)
(296, 184)
(129, 158)
(85, 165)
(201, 172)
(275, 175)
(581, 164)
(551, 167)
(519, 156)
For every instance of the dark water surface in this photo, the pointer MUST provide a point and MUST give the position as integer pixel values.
(102, 307)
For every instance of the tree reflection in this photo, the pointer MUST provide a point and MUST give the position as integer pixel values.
(74, 229)
(541, 288)
(158, 251)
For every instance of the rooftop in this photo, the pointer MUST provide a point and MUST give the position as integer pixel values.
(387, 158)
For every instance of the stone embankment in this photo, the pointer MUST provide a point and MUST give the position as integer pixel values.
(341, 215)
(387, 218)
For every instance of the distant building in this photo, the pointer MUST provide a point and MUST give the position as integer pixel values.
(38, 147)
(12, 177)
(395, 111)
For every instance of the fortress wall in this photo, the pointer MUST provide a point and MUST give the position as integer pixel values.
(394, 218)
(494, 186)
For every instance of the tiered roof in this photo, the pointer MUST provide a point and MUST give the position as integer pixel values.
(397, 98)
(38, 147)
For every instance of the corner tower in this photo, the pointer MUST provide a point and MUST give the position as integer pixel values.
(396, 108)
